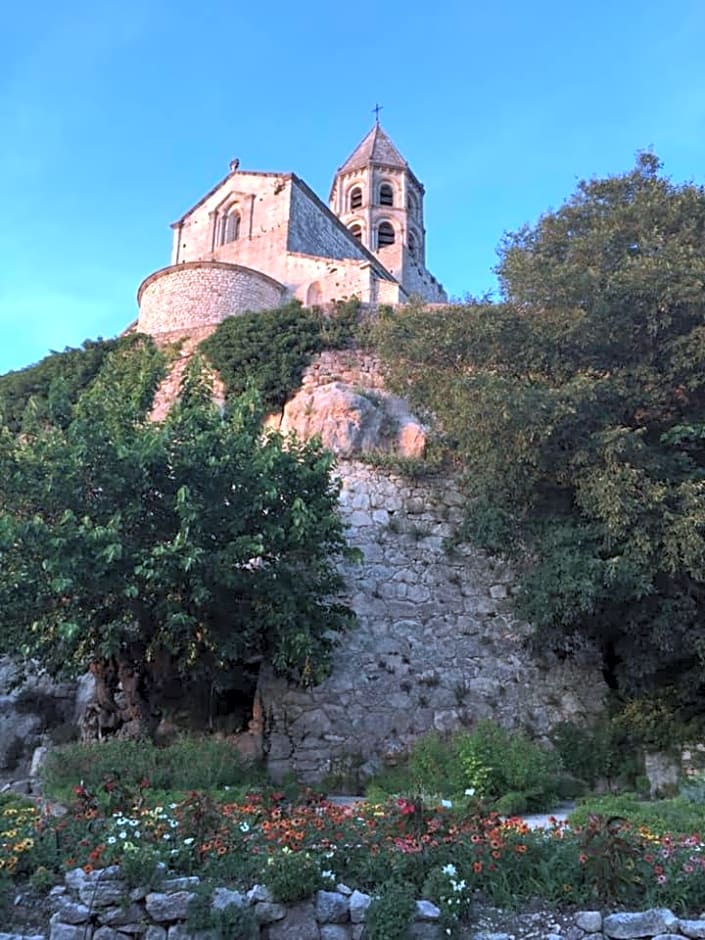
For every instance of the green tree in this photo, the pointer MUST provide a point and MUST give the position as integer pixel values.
(51, 387)
(576, 411)
(191, 547)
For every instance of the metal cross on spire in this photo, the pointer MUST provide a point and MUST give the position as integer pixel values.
(377, 108)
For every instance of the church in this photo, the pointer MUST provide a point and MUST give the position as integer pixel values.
(259, 239)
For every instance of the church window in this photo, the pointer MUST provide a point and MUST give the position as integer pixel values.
(355, 198)
(356, 230)
(386, 195)
(229, 228)
(385, 234)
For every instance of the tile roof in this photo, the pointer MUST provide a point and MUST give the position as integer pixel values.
(375, 148)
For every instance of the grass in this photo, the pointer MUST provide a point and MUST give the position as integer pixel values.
(189, 764)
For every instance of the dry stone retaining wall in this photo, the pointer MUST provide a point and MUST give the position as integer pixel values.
(436, 645)
(101, 906)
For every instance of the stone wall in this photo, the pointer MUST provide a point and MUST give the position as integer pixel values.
(436, 645)
(101, 906)
(198, 293)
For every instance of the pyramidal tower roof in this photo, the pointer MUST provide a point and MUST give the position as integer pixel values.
(376, 147)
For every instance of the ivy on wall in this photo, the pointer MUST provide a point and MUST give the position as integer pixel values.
(270, 350)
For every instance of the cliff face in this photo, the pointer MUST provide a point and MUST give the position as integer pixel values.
(436, 645)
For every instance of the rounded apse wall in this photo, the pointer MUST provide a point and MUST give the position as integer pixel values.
(198, 293)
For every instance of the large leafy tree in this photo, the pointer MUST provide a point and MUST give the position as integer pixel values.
(576, 410)
(187, 548)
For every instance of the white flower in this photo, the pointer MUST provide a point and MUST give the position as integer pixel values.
(470, 791)
(189, 841)
(449, 870)
(123, 834)
(111, 840)
(173, 805)
(173, 824)
(244, 827)
(328, 875)
(446, 804)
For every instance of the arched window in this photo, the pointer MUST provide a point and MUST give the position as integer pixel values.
(385, 234)
(229, 229)
(355, 198)
(314, 294)
(356, 230)
(413, 246)
(386, 195)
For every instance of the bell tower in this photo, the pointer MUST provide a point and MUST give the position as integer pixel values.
(380, 201)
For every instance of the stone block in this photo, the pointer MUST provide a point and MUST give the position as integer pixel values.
(103, 893)
(153, 932)
(332, 907)
(426, 910)
(119, 916)
(299, 924)
(61, 931)
(358, 905)
(165, 907)
(693, 928)
(336, 932)
(73, 912)
(589, 921)
(267, 912)
(627, 926)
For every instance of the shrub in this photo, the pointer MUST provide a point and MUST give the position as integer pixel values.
(268, 350)
(389, 915)
(595, 753)
(221, 923)
(496, 764)
(675, 816)
(292, 876)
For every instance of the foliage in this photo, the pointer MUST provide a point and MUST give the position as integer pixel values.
(599, 752)
(653, 722)
(503, 768)
(53, 385)
(591, 374)
(445, 887)
(222, 923)
(609, 858)
(140, 866)
(693, 790)
(661, 817)
(390, 914)
(191, 548)
(424, 845)
(269, 350)
(188, 764)
(292, 876)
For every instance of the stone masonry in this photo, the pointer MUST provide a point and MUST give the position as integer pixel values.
(188, 296)
(436, 645)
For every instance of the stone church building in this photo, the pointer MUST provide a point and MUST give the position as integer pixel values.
(258, 239)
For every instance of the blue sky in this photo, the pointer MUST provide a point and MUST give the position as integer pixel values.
(115, 117)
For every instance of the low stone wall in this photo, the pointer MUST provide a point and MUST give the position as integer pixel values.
(101, 906)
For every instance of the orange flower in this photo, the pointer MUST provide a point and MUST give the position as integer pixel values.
(477, 867)
(521, 848)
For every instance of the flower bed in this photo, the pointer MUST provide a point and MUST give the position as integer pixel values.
(448, 855)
